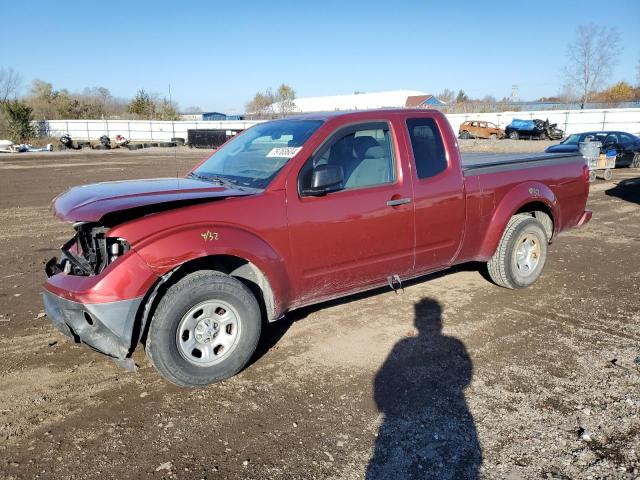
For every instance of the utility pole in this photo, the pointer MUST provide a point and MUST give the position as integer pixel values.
(173, 128)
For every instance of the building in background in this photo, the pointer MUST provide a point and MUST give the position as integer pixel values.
(423, 101)
(209, 116)
(365, 101)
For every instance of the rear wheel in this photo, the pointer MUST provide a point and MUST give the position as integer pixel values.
(635, 163)
(465, 135)
(521, 254)
(205, 329)
(608, 174)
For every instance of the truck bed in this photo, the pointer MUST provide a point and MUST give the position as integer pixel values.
(476, 163)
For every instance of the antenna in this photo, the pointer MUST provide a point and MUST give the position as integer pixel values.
(514, 93)
(173, 134)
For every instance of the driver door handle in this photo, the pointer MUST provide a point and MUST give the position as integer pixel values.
(399, 201)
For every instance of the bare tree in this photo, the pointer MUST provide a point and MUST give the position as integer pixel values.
(285, 98)
(447, 96)
(10, 82)
(591, 58)
(638, 73)
(261, 106)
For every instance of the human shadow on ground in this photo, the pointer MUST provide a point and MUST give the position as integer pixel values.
(428, 431)
(628, 190)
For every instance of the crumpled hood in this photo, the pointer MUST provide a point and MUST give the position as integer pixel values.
(89, 203)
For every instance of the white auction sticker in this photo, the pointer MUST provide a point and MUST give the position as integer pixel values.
(284, 152)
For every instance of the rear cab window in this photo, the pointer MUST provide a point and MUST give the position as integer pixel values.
(427, 146)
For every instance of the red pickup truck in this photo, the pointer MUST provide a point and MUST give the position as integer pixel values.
(289, 213)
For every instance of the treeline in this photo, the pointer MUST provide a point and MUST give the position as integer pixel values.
(43, 102)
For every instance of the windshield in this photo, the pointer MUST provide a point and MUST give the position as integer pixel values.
(584, 137)
(253, 158)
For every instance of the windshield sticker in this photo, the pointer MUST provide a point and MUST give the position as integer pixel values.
(284, 152)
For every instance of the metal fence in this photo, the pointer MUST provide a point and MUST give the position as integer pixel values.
(571, 121)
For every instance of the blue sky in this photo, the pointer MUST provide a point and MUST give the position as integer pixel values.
(216, 55)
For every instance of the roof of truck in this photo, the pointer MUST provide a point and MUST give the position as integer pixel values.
(356, 113)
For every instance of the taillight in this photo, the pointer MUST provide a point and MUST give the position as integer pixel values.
(585, 176)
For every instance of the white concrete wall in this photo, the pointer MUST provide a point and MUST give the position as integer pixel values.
(137, 129)
(571, 121)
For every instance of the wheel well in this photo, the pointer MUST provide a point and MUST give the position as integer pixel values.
(236, 267)
(542, 213)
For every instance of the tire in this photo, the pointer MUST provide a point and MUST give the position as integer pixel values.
(493, 136)
(166, 144)
(465, 135)
(147, 145)
(134, 146)
(175, 354)
(514, 135)
(608, 174)
(592, 176)
(517, 263)
(101, 147)
(178, 141)
(635, 163)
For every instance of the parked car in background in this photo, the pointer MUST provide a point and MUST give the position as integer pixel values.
(480, 129)
(530, 129)
(626, 145)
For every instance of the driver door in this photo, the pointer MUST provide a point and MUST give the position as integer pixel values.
(353, 238)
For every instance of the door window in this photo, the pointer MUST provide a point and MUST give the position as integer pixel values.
(625, 139)
(364, 152)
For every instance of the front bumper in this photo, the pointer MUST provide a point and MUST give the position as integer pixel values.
(105, 327)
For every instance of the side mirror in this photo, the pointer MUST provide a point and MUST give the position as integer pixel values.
(324, 179)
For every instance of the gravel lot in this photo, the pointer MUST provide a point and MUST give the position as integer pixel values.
(454, 378)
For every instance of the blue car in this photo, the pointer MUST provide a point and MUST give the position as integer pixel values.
(626, 145)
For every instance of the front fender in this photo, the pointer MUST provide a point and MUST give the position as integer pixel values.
(166, 250)
(515, 199)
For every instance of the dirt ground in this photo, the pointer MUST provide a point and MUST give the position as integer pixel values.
(453, 378)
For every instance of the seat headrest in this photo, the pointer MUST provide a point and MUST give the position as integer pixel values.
(362, 144)
(374, 152)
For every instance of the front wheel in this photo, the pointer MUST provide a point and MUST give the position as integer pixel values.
(635, 163)
(521, 254)
(514, 135)
(205, 329)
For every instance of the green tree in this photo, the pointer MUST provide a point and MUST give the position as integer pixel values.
(18, 118)
(142, 105)
(462, 97)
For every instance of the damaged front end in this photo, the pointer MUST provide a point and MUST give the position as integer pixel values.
(86, 301)
(88, 252)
